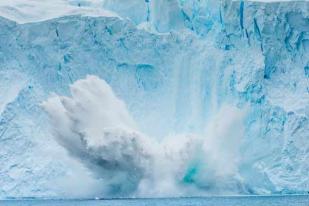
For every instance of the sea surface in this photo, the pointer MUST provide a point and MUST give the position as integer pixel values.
(295, 200)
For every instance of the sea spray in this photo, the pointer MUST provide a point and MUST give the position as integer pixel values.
(96, 128)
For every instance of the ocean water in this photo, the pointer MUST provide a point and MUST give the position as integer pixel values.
(295, 200)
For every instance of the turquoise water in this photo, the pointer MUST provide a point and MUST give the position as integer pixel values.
(208, 201)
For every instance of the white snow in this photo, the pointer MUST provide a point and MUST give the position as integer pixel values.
(25, 11)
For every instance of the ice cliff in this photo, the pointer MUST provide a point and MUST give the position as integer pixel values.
(215, 95)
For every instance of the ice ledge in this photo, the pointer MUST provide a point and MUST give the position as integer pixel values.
(25, 11)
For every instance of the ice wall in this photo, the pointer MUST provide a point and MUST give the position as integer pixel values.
(174, 64)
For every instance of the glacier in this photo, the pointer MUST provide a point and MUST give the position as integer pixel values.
(215, 94)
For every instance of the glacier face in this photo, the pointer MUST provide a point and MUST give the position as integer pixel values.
(176, 65)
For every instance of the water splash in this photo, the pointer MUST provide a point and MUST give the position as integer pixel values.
(96, 128)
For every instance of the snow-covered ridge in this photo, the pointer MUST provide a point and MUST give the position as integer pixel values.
(25, 11)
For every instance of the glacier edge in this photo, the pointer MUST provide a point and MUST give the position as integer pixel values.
(254, 54)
